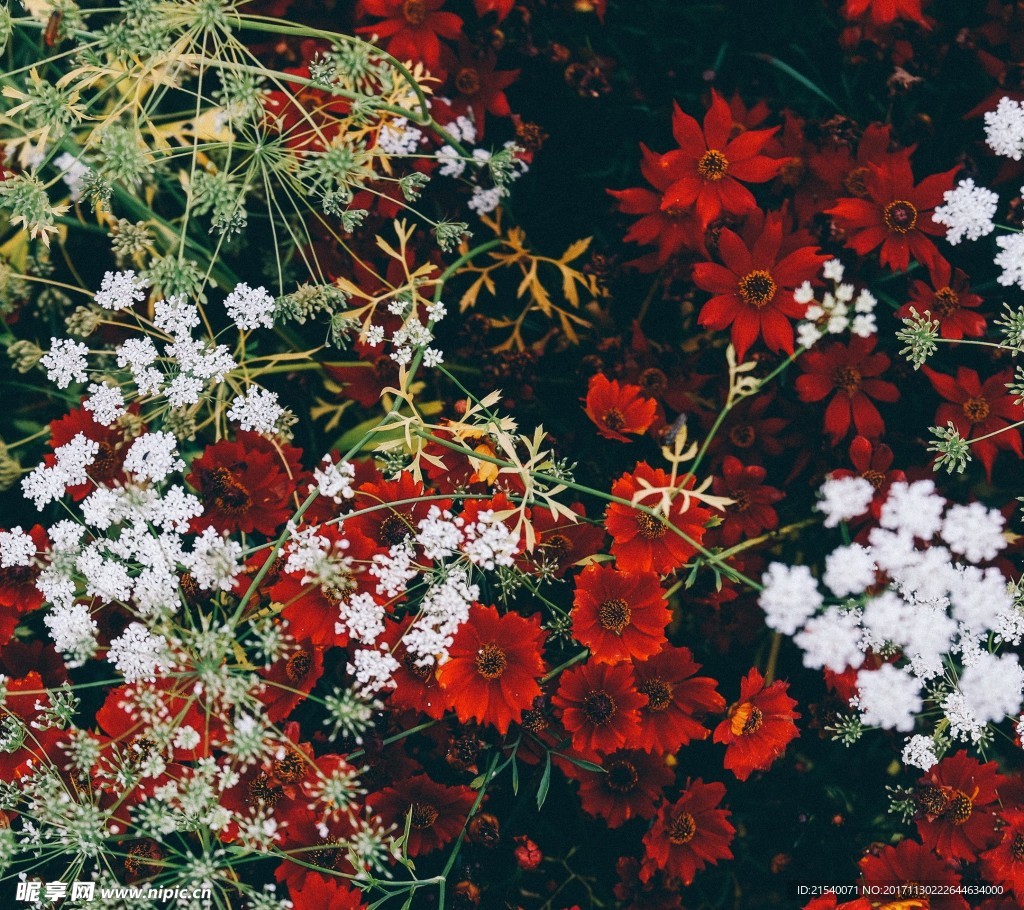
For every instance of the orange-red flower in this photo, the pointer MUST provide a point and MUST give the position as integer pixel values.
(438, 812)
(908, 864)
(759, 726)
(1004, 863)
(600, 707)
(319, 893)
(689, 834)
(629, 787)
(884, 12)
(947, 300)
(491, 672)
(618, 409)
(411, 29)
(643, 543)
(619, 615)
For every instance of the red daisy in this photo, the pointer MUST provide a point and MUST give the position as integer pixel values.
(910, 863)
(947, 299)
(873, 462)
(709, 164)
(480, 87)
(689, 834)
(492, 668)
(561, 542)
(895, 215)
(411, 29)
(643, 543)
(619, 615)
(416, 687)
(618, 409)
(851, 371)
(438, 812)
(759, 726)
(957, 797)
(676, 700)
(1004, 863)
(18, 591)
(600, 707)
(978, 409)
(246, 484)
(390, 525)
(751, 511)
(290, 679)
(319, 893)
(754, 288)
(884, 12)
(629, 787)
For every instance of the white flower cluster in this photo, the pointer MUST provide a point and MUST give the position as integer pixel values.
(840, 309)
(1004, 129)
(916, 595)
(256, 411)
(1010, 259)
(968, 212)
(47, 483)
(398, 137)
(413, 335)
(16, 548)
(121, 290)
(334, 479)
(250, 308)
(66, 362)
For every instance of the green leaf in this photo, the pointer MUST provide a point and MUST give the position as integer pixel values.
(783, 67)
(545, 782)
(583, 763)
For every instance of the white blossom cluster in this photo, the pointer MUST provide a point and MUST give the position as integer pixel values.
(919, 592)
(968, 212)
(1004, 129)
(412, 335)
(841, 308)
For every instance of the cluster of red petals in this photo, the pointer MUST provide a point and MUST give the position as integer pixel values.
(435, 813)
(759, 726)
(630, 786)
(885, 12)
(907, 864)
(946, 299)
(751, 512)
(600, 707)
(618, 409)
(412, 29)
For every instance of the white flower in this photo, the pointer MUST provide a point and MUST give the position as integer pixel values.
(335, 480)
(250, 308)
(888, 698)
(215, 560)
(919, 752)
(373, 669)
(488, 542)
(257, 411)
(139, 654)
(843, 498)
(914, 509)
(175, 315)
(974, 532)
(66, 362)
(483, 202)
(993, 686)
(831, 640)
(153, 456)
(968, 212)
(1011, 259)
(121, 290)
(849, 570)
(789, 597)
(106, 403)
(398, 138)
(374, 335)
(832, 270)
(73, 631)
(451, 162)
(16, 548)
(46, 484)
(1004, 129)
(432, 357)
(73, 173)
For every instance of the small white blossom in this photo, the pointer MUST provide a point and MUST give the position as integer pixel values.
(373, 669)
(66, 362)
(888, 698)
(1011, 259)
(843, 498)
(106, 403)
(334, 480)
(250, 308)
(849, 570)
(16, 548)
(919, 752)
(121, 290)
(789, 597)
(138, 654)
(974, 532)
(1004, 129)
(153, 456)
(968, 212)
(257, 411)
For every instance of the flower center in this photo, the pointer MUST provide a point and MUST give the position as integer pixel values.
(599, 707)
(681, 829)
(1017, 847)
(290, 768)
(933, 801)
(613, 419)
(653, 380)
(875, 478)
(298, 666)
(960, 807)
(746, 719)
(743, 436)
(622, 776)
(855, 182)
(947, 301)
(467, 81)
(740, 501)
(658, 692)
(491, 661)
(414, 12)
(142, 856)
(900, 216)
(649, 526)
(757, 288)
(847, 379)
(395, 528)
(423, 815)
(712, 165)
(264, 790)
(423, 673)
(614, 615)
(105, 465)
(558, 546)
(976, 409)
(222, 490)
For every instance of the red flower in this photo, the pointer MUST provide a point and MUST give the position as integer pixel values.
(873, 462)
(1004, 863)
(528, 855)
(501, 8)
(600, 707)
(895, 215)
(851, 371)
(754, 289)
(759, 726)
(438, 812)
(480, 87)
(947, 299)
(246, 485)
(977, 409)
(416, 687)
(411, 28)
(629, 787)
(957, 813)
(751, 512)
(910, 863)
(617, 410)
(319, 893)
(18, 591)
(493, 665)
(390, 525)
(619, 615)
(708, 166)
(560, 542)
(676, 700)
(689, 834)
(642, 543)
(884, 12)
(290, 679)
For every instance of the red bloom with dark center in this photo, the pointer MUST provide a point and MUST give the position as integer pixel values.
(895, 215)
(851, 371)
(910, 863)
(873, 462)
(676, 700)
(618, 409)
(18, 591)
(438, 812)
(246, 484)
(416, 687)
(947, 299)
(290, 679)
(107, 466)
(619, 615)
(630, 786)
(480, 87)
(884, 12)
(751, 512)
(1004, 863)
(754, 288)
(600, 707)
(709, 164)
(309, 118)
(390, 525)
(759, 726)
(561, 542)
(319, 893)
(411, 29)
(643, 543)
(689, 834)
(977, 409)
(957, 811)
(492, 668)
